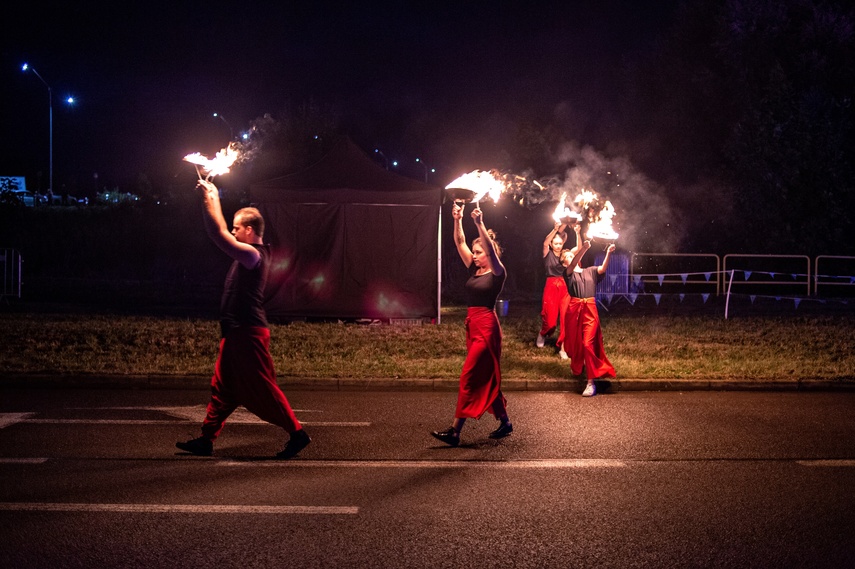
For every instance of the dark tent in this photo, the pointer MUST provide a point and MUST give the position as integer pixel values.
(351, 240)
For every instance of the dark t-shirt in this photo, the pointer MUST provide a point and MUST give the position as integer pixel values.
(243, 294)
(553, 265)
(483, 290)
(583, 284)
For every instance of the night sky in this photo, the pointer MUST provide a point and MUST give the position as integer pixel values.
(447, 82)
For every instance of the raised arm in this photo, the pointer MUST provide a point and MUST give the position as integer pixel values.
(547, 243)
(570, 261)
(460, 237)
(218, 230)
(609, 250)
(489, 247)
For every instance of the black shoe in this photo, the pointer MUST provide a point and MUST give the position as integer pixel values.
(448, 436)
(298, 441)
(199, 447)
(503, 431)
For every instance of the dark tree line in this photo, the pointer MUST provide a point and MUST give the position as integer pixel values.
(746, 114)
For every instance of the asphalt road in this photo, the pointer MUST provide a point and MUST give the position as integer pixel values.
(697, 479)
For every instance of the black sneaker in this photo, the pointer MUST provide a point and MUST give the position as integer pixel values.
(503, 431)
(199, 447)
(298, 441)
(448, 436)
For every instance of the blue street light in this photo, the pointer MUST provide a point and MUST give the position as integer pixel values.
(426, 167)
(70, 100)
(222, 118)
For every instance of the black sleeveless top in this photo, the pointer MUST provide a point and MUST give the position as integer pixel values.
(483, 290)
(553, 265)
(243, 294)
(583, 284)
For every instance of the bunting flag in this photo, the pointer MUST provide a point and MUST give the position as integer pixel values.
(609, 296)
(682, 296)
(685, 276)
(632, 297)
(612, 279)
(661, 279)
(707, 275)
(747, 274)
(797, 301)
(637, 280)
(851, 280)
(706, 295)
(752, 297)
(795, 276)
(773, 274)
(658, 297)
(778, 298)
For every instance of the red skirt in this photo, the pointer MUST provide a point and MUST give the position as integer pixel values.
(244, 375)
(481, 378)
(554, 293)
(583, 339)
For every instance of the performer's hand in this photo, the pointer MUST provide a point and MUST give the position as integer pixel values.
(558, 226)
(577, 227)
(207, 187)
(587, 244)
(477, 215)
(610, 248)
(457, 211)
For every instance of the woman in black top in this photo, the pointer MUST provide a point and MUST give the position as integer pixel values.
(481, 378)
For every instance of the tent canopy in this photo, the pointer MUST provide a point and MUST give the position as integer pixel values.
(350, 240)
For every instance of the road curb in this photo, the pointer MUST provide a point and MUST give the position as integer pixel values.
(118, 381)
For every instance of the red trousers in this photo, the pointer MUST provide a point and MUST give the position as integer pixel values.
(583, 339)
(481, 378)
(244, 375)
(551, 312)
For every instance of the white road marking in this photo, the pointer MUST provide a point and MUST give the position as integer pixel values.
(7, 419)
(828, 462)
(176, 508)
(23, 460)
(545, 463)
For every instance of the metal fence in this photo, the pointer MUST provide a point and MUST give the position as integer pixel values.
(11, 261)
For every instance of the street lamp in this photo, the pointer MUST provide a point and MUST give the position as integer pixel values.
(26, 68)
(426, 167)
(222, 118)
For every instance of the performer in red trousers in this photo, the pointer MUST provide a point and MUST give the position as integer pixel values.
(554, 291)
(481, 379)
(244, 373)
(583, 337)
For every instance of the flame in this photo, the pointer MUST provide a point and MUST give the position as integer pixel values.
(484, 184)
(219, 164)
(563, 213)
(599, 215)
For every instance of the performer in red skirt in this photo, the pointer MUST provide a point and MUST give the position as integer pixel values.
(583, 337)
(244, 373)
(481, 379)
(554, 291)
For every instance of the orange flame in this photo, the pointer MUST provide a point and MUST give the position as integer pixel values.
(562, 213)
(219, 164)
(599, 215)
(484, 184)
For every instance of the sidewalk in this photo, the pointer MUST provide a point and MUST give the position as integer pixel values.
(413, 384)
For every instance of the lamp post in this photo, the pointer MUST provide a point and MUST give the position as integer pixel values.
(426, 167)
(25, 68)
(222, 118)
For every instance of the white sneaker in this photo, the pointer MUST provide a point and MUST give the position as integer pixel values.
(539, 341)
(563, 355)
(590, 390)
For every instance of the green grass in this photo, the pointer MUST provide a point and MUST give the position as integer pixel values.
(671, 346)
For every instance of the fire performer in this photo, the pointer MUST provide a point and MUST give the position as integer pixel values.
(243, 374)
(583, 336)
(554, 290)
(481, 378)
